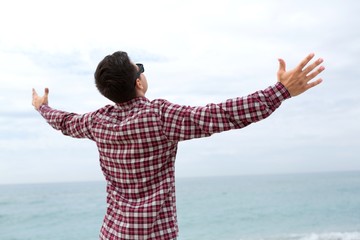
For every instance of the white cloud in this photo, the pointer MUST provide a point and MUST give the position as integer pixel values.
(194, 52)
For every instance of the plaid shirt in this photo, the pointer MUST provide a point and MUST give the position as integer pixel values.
(137, 143)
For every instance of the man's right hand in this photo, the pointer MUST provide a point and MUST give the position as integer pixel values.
(37, 101)
(298, 79)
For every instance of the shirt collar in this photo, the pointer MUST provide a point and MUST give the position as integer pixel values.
(135, 102)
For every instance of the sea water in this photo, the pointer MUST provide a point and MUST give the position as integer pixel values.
(317, 206)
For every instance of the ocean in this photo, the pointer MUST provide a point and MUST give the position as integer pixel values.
(316, 206)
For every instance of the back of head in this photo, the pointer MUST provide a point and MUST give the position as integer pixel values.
(115, 77)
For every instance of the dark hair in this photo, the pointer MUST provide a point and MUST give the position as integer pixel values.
(115, 77)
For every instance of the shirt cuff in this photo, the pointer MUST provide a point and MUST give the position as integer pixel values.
(281, 92)
(43, 108)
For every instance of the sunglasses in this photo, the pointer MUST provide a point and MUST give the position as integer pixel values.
(140, 71)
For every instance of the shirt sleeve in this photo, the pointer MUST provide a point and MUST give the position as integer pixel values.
(70, 124)
(185, 122)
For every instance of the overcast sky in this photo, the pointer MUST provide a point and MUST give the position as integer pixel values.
(194, 53)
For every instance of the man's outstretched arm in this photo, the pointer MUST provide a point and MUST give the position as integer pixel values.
(183, 122)
(70, 124)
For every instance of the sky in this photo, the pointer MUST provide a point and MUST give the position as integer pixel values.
(194, 52)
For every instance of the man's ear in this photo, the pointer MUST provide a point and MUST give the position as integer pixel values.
(139, 84)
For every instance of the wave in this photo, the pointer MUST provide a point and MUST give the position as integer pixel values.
(314, 236)
(332, 236)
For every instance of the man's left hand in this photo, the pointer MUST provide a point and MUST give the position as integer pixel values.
(37, 101)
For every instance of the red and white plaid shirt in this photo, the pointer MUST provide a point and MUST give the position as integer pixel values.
(137, 143)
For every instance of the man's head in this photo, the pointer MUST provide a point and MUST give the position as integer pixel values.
(118, 79)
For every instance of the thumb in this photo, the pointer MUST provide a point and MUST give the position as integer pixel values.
(282, 66)
(34, 93)
(46, 92)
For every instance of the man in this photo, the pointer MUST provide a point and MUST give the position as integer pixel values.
(137, 139)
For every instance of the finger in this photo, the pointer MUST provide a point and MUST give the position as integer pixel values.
(314, 83)
(313, 66)
(315, 73)
(46, 92)
(305, 61)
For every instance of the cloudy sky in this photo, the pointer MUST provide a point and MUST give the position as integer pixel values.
(194, 53)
